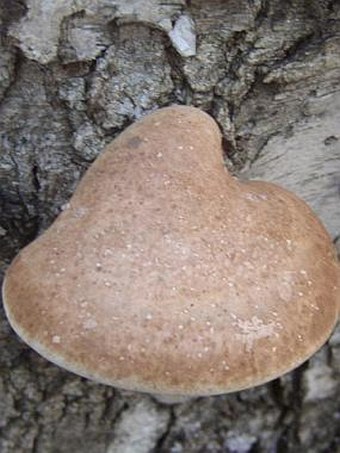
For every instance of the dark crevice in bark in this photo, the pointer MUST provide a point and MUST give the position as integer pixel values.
(11, 11)
(159, 446)
(296, 402)
(125, 407)
(35, 175)
(26, 225)
(182, 93)
(262, 14)
(107, 407)
(19, 59)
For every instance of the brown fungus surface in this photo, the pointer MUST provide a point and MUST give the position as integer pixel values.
(164, 274)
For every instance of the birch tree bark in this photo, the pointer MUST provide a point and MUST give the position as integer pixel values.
(73, 74)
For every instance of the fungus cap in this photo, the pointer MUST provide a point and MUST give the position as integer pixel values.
(166, 275)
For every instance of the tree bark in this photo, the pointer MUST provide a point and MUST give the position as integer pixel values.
(73, 74)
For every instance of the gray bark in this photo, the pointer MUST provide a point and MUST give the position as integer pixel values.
(73, 74)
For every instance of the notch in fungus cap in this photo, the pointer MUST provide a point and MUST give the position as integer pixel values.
(166, 275)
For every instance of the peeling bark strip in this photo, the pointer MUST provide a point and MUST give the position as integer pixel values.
(75, 73)
(42, 46)
(307, 162)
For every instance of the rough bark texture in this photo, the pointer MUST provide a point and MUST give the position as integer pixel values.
(75, 73)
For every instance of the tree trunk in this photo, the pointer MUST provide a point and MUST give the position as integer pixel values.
(73, 74)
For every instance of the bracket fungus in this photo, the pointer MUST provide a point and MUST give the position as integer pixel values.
(165, 274)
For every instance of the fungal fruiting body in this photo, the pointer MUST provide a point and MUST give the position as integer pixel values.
(166, 275)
